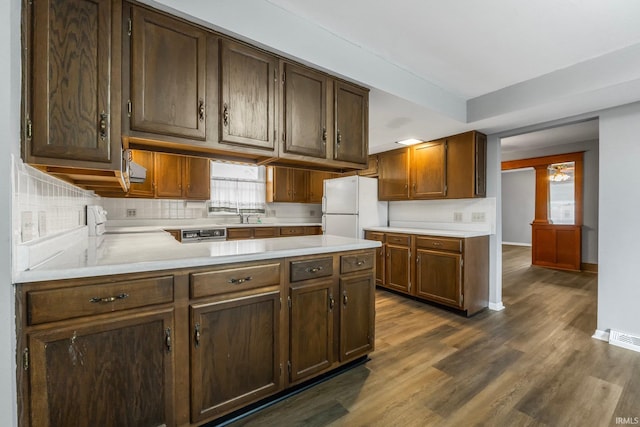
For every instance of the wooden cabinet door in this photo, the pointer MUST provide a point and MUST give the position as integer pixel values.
(278, 188)
(235, 356)
(466, 165)
(356, 316)
(168, 175)
(167, 76)
(299, 184)
(196, 178)
(304, 111)
(380, 265)
(104, 373)
(71, 80)
(146, 188)
(398, 268)
(311, 329)
(247, 80)
(316, 185)
(429, 170)
(351, 123)
(439, 277)
(393, 175)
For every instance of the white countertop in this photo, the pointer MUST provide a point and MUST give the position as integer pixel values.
(147, 228)
(430, 232)
(158, 250)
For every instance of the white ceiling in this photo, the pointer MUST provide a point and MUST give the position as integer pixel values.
(440, 67)
(567, 134)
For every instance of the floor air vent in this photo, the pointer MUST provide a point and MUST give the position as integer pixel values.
(624, 340)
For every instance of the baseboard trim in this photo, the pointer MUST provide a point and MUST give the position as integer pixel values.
(601, 335)
(496, 306)
(516, 244)
(589, 267)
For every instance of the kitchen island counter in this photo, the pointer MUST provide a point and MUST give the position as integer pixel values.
(462, 234)
(157, 250)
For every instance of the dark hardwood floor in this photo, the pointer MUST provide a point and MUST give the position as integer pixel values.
(533, 364)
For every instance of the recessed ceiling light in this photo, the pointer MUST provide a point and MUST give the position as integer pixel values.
(410, 141)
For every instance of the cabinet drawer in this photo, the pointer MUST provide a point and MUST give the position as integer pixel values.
(67, 303)
(291, 231)
(350, 263)
(233, 279)
(312, 230)
(311, 269)
(440, 243)
(239, 233)
(264, 232)
(398, 239)
(374, 235)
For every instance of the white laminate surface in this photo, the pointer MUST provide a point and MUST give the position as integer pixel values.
(148, 228)
(430, 232)
(158, 250)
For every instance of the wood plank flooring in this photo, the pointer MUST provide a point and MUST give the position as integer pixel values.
(533, 364)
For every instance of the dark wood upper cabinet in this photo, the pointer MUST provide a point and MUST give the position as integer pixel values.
(71, 83)
(305, 111)
(247, 96)
(351, 123)
(467, 165)
(429, 170)
(393, 175)
(167, 76)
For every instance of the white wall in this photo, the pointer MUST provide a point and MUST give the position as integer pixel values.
(518, 205)
(10, 130)
(590, 189)
(619, 248)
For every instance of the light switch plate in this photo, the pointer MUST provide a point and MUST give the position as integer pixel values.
(478, 217)
(26, 220)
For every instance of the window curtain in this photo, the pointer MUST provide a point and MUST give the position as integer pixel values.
(236, 194)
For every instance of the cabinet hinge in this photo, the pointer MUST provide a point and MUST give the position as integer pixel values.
(461, 262)
(289, 301)
(281, 369)
(29, 128)
(280, 303)
(289, 366)
(284, 76)
(129, 108)
(129, 28)
(284, 137)
(25, 358)
(461, 299)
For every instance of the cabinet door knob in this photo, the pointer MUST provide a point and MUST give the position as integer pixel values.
(339, 138)
(196, 335)
(332, 302)
(225, 114)
(345, 298)
(324, 135)
(103, 125)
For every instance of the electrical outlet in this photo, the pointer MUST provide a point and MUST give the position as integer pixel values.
(131, 213)
(457, 217)
(478, 217)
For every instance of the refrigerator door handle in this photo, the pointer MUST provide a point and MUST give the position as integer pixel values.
(324, 204)
(324, 222)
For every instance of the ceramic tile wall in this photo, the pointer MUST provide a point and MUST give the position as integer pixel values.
(468, 214)
(152, 209)
(44, 205)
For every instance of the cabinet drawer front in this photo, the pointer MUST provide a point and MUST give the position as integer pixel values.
(239, 233)
(350, 263)
(440, 243)
(311, 269)
(262, 232)
(67, 303)
(233, 279)
(372, 235)
(399, 239)
(291, 231)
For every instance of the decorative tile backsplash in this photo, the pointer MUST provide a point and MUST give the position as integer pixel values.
(44, 205)
(131, 209)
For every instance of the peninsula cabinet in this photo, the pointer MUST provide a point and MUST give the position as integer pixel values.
(451, 168)
(167, 75)
(71, 89)
(448, 271)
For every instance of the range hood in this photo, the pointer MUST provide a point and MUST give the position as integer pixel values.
(137, 173)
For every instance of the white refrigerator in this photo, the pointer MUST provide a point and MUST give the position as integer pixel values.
(350, 204)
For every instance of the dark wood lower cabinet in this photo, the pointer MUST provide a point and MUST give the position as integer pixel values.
(187, 346)
(235, 356)
(438, 276)
(356, 317)
(103, 373)
(311, 329)
(398, 268)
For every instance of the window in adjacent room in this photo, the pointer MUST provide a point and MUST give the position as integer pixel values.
(237, 188)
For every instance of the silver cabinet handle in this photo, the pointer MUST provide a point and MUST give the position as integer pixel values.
(240, 281)
(108, 299)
